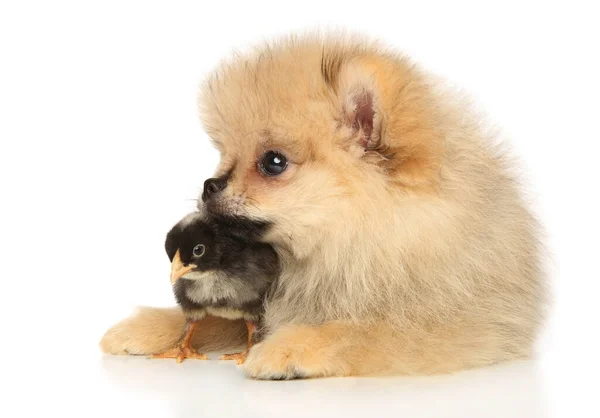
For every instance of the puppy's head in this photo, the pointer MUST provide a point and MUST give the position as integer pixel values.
(316, 136)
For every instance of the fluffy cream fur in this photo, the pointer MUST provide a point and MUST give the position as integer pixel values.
(405, 242)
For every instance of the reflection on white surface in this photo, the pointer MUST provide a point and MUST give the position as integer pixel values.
(213, 388)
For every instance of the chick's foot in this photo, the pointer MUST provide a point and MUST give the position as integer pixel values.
(240, 357)
(181, 352)
(184, 349)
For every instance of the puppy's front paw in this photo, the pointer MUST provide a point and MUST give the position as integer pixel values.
(292, 353)
(148, 331)
(120, 340)
(268, 362)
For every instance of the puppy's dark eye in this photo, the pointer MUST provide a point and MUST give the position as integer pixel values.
(273, 163)
(198, 250)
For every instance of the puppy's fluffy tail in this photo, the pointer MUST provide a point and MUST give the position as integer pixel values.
(154, 330)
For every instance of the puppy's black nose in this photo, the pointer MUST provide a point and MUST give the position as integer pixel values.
(212, 186)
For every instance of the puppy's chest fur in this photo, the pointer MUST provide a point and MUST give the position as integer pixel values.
(220, 295)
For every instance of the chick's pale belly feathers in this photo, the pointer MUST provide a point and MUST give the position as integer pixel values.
(226, 297)
(215, 288)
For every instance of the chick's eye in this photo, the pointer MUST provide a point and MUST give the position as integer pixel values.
(273, 163)
(198, 250)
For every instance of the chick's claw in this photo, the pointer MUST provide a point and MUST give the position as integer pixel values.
(180, 353)
(240, 357)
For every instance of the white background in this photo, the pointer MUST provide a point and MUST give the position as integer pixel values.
(101, 152)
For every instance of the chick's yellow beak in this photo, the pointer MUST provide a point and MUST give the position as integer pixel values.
(178, 269)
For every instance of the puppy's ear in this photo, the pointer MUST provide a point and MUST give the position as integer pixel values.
(359, 97)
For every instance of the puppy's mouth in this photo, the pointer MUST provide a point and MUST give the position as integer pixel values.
(242, 226)
(231, 206)
(234, 220)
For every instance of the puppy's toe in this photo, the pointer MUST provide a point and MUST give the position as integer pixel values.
(120, 341)
(147, 331)
(272, 363)
(281, 357)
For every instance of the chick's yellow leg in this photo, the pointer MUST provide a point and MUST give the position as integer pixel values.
(241, 357)
(183, 349)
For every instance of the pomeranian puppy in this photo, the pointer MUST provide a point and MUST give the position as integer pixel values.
(405, 243)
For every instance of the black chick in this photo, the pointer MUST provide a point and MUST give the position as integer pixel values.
(214, 272)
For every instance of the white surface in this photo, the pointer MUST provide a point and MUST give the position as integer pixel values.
(101, 152)
(214, 389)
